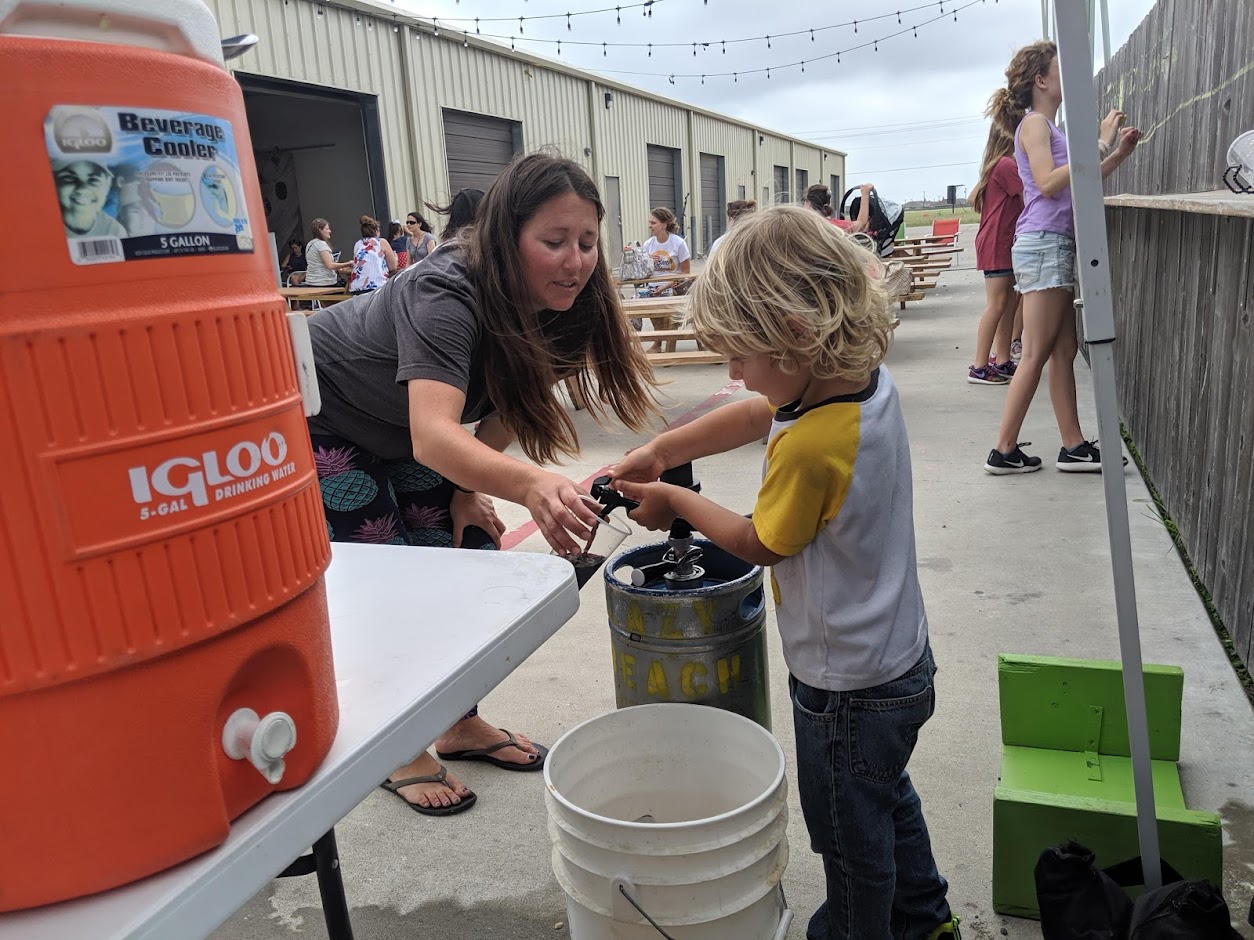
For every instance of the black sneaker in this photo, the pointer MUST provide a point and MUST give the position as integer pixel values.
(1014, 462)
(1083, 458)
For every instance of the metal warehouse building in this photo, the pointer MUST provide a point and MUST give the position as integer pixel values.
(357, 108)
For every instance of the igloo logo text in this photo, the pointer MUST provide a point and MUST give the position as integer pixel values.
(245, 466)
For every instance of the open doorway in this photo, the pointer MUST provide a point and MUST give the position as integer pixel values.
(319, 154)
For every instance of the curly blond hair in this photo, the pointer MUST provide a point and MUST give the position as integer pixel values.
(788, 284)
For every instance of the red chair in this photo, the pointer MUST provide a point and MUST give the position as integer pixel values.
(946, 227)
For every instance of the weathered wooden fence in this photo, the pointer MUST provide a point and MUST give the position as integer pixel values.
(1184, 284)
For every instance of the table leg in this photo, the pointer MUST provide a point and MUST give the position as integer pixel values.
(325, 861)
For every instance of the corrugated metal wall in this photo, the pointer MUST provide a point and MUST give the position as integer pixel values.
(735, 144)
(772, 152)
(552, 107)
(334, 50)
(623, 131)
(415, 75)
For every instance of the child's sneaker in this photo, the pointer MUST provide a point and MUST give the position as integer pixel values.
(947, 931)
(1083, 458)
(1006, 368)
(1016, 350)
(1016, 461)
(985, 375)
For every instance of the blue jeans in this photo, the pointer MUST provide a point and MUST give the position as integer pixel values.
(862, 811)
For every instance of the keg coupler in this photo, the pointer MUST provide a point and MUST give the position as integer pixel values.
(679, 564)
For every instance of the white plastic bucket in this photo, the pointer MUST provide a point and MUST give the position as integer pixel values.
(681, 808)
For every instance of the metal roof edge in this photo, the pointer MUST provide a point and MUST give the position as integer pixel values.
(390, 13)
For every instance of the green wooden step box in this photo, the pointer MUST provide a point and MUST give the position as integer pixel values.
(1066, 773)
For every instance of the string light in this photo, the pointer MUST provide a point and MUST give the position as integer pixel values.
(645, 5)
(801, 64)
(465, 41)
(723, 43)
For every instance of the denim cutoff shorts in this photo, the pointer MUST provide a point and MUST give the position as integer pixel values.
(1043, 260)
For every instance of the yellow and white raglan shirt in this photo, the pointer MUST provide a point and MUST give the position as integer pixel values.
(837, 501)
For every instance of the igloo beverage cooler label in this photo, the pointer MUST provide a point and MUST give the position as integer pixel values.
(137, 183)
(117, 494)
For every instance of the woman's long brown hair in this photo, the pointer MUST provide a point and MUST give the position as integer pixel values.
(999, 145)
(591, 343)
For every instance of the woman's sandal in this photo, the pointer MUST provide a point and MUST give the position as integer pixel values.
(485, 754)
(394, 786)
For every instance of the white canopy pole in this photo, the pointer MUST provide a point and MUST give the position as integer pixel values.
(1093, 270)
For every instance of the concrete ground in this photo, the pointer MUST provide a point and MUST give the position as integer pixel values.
(1008, 564)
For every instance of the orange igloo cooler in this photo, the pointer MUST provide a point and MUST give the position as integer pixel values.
(165, 657)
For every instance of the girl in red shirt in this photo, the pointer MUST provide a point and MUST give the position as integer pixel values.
(998, 198)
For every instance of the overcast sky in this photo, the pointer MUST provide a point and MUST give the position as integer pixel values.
(930, 91)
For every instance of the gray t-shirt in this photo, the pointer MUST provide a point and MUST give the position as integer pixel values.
(424, 323)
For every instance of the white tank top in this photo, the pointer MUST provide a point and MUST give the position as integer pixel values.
(370, 268)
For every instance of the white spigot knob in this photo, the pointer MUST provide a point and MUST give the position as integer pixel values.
(263, 742)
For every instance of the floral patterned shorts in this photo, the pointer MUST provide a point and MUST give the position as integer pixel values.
(392, 502)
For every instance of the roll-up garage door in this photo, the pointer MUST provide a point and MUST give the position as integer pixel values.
(477, 148)
(713, 199)
(664, 180)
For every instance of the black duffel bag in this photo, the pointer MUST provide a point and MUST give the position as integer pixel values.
(1079, 901)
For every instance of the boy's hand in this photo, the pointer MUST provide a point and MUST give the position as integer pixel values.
(642, 465)
(655, 510)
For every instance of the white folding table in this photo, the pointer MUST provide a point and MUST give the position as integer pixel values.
(419, 636)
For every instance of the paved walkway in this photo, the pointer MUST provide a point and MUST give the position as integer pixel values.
(1013, 564)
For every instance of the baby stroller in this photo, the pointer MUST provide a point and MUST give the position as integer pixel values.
(882, 224)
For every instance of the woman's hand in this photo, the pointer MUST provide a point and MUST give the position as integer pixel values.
(1110, 126)
(563, 517)
(642, 465)
(1129, 137)
(475, 509)
(656, 511)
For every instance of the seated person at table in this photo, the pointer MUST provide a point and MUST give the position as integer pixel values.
(292, 267)
(670, 255)
(321, 268)
(374, 261)
(735, 210)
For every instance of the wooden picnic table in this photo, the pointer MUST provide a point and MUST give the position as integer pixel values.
(654, 279)
(325, 296)
(923, 251)
(926, 240)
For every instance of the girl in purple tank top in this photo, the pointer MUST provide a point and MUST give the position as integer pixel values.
(1043, 255)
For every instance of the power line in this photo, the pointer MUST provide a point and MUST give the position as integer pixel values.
(959, 119)
(901, 130)
(903, 169)
(914, 143)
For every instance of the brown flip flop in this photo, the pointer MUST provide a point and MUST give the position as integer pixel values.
(485, 754)
(394, 786)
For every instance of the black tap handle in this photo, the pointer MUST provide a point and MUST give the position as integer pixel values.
(611, 499)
